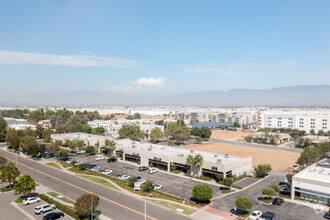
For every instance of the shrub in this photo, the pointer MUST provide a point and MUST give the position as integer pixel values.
(131, 181)
(147, 186)
(262, 170)
(244, 203)
(81, 166)
(83, 204)
(227, 181)
(199, 139)
(170, 143)
(275, 187)
(90, 149)
(219, 177)
(203, 192)
(269, 192)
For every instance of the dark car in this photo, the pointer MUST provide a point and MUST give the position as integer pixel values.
(111, 160)
(53, 215)
(267, 216)
(28, 195)
(278, 201)
(138, 177)
(48, 154)
(237, 211)
(327, 215)
(143, 168)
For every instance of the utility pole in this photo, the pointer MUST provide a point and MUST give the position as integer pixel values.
(91, 207)
(145, 208)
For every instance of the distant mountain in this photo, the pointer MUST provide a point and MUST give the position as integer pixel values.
(318, 95)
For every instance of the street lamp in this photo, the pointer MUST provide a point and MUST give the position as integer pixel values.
(145, 206)
(183, 188)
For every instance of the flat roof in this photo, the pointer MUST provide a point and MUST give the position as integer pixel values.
(80, 136)
(316, 172)
(176, 151)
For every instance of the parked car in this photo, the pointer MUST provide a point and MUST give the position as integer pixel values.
(100, 169)
(267, 216)
(99, 157)
(278, 201)
(143, 168)
(327, 214)
(81, 151)
(107, 172)
(157, 186)
(111, 159)
(120, 176)
(44, 208)
(324, 163)
(78, 163)
(152, 170)
(237, 211)
(53, 215)
(28, 195)
(125, 177)
(31, 200)
(47, 154)
(255, 215)
(95, 168)
(141, 181)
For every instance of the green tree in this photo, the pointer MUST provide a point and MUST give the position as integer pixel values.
(205, 132)
(3, 128)
(82, 205)
(36, 116)
(227, 182)
(131, 181)
(131, 131)
(262, 170)
(46, 135)
(190, 162)
(25, 185)
(61, 154)
(90, 149)
(195, 131)
(289, 176)
(203, 193)
(177, 132)
(64, 115)
(28, 143)
(73, 144)
(14, 137)
(53, 120)
(310, 155)
(74, 119)
(9, 174)
(275, 187)
(110, 145)
(40, 130)
(170, 143)
(236, 125)
(244, 203)
(54, 147)
(3, 162)
(147, 186)
(98, 131)
(198, 161)
(312, 132)
(269, 192)
(61, 128)
(156, 134)
(199, 139)
(30, 132)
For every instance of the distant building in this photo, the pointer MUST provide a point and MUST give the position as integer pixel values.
(45, 123)
(211, 124)
(313, 184)
(19, 124)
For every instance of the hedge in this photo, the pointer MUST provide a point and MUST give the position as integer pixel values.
(67, 210)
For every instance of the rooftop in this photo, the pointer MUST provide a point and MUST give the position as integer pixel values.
(80, 136)
(176, 151)
(316, 172)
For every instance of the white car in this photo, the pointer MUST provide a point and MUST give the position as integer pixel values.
(157, 186)
(44, 208)
(324, 163)
(99, 157)
(152, 170)
(255, 215)
(141, 181)
(107, 172)
(31, 200)
(81, 151)
(125, 177)
(78, 163)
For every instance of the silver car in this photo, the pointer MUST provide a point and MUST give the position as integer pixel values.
(44, 208)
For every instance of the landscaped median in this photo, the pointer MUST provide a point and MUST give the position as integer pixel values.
(174, 206)
(54, 165)
(99, 180)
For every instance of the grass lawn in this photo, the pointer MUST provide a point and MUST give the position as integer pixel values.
(99, 180)
(173, 206)
(54, 165)
(64, 199)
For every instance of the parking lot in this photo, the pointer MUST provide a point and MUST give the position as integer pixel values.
(172, 184)
(30, 209)
(245, 182)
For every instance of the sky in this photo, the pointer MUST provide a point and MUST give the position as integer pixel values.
(58, 50)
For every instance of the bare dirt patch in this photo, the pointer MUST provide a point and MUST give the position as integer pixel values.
(279, 160)
(230, 135)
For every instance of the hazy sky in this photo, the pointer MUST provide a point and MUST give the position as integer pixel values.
(65, 48)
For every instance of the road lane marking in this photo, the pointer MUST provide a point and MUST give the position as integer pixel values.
(46, 174)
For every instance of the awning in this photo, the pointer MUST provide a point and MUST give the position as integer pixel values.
(314, 194)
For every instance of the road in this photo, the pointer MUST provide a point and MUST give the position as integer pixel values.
(244, 144)
(284, 211)
(112, 204)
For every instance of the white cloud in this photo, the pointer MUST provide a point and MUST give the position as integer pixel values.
(150, 82)
(13, 57)
(286, 63)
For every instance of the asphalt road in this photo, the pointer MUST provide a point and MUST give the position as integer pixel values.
(284, 211)
(112, 204)
(172, 184)
(244, 144)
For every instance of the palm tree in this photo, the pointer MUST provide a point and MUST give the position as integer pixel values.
(190, 162)
(198, 161)
(110, 145)
(277, 138)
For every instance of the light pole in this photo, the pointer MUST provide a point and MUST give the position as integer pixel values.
(183, 188)
(91, 207)
(145, 206)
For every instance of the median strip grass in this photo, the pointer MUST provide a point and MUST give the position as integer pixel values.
(54, 165)
(99, 180)
(64, 199)
(173, 206)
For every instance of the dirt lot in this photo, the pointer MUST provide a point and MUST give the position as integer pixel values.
(230, 135)
(279, 160)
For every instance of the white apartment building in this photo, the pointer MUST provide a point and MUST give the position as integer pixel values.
(113, 126)
(301, 121)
